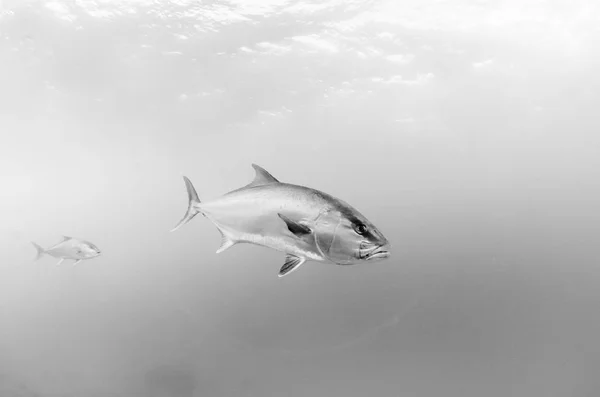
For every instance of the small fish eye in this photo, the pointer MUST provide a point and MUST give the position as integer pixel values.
(361, 229)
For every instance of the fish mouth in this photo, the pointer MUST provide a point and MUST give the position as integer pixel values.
(379, 252)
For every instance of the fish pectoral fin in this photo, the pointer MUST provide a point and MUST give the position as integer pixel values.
(76, 262)
(60, 261)
(295, 227)
(292, 262)
(226, 242)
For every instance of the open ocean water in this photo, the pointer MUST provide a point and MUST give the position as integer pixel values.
(467, 131)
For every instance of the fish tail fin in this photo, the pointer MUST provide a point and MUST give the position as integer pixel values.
(193, 202)
(40, 251)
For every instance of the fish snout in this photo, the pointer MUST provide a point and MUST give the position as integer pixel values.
(383, 249)
(384, 245)
(380, 251)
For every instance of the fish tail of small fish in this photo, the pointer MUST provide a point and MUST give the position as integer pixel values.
(40, 251)
(193, 203)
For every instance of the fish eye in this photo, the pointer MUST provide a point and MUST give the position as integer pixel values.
(360, 229)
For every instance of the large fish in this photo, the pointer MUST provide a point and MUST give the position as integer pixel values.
(69, 248)
(304, 223)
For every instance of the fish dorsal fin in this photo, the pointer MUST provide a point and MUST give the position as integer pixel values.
(292, 262)
(226, 242)
(298, 229)
(62, 240)
(262, 177)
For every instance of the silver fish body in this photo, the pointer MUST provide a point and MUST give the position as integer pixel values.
(250, 215)
(304, 223)
(69, 248)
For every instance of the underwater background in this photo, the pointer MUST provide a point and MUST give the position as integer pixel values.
(467, 131)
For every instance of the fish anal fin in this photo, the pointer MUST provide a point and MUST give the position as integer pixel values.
(292, 262)
(226, 242)
(262, 177)
(296, 228)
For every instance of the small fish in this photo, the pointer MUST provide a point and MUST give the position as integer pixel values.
(69, 248)
(301, 222)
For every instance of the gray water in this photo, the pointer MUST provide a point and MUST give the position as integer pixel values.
(466, 131)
